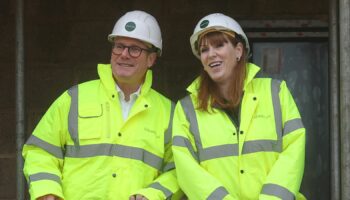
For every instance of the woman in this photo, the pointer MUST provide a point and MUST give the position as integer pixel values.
(236, 136)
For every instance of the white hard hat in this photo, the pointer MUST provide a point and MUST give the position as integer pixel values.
(139, 25)
(219, 22)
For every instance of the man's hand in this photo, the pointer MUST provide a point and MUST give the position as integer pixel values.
(137, 197)
(48, 197)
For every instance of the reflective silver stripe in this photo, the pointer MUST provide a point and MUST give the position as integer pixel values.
(188, 108)
(275, 89)
(52, 149)
(232, 149)
(249, 146)
(255, 146)
(169, 166)
(168, 132)
(219, 193)
(184, 142)
(44, 176)
(292, 125)
(218, 152)
(135, 153)
(278, 191)
(165, 190)
(73, 115)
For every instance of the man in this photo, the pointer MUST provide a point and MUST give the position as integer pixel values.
(108, 138)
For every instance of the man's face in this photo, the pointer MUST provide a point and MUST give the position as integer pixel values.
(126, 68)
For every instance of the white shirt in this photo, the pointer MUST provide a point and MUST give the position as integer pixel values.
(126, 105)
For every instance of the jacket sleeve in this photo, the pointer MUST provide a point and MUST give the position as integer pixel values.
(284, 179)
(194, 180)
(43, 151)
(165, 186)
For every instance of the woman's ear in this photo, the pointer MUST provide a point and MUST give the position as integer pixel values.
(239, 50)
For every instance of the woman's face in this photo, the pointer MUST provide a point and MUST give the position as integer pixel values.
(219, 57)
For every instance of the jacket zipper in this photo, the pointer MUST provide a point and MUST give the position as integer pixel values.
(108, 120)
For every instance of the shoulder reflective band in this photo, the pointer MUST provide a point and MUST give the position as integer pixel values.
(73, 115)
(275, 89)
(190, 113)
(289, 126)
(278, 191)
(168, 132)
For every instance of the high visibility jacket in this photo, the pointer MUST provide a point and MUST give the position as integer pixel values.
(262, 157)
(83, 149)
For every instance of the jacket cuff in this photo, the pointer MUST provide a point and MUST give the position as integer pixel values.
(151, 194)
(44, 187)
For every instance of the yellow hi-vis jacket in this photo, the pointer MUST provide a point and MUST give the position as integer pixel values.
(83, 149)
(261, 158)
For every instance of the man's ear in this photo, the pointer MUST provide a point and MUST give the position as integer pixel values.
(152, 58)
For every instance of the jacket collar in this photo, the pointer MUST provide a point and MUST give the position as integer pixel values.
(251, 72)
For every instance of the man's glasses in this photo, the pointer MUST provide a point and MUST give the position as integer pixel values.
(134, 51)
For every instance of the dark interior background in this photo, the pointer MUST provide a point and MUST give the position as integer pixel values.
(65, 39)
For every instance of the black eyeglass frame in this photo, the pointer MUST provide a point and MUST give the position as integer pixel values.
(130, 50)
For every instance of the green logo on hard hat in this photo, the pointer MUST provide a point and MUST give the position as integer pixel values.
(130, 26)
(204, 23)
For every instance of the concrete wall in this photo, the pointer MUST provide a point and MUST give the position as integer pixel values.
(65, 39)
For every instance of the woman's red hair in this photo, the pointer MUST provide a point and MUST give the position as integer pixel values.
(209, 93)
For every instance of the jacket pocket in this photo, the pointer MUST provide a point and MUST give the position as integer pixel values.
(90, 121)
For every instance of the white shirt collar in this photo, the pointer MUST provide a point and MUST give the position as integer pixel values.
(132, 95)
(127, 105)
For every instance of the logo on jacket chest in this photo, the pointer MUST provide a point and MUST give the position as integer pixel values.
(261, 116)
